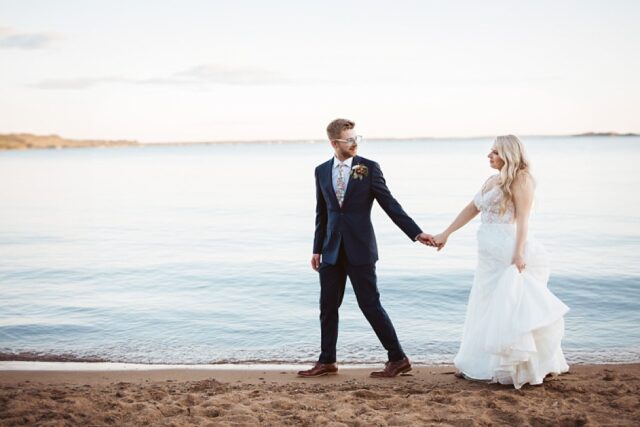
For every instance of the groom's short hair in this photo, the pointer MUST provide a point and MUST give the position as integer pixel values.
(336, 127)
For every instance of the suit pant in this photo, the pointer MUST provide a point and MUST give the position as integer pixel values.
(333, 279)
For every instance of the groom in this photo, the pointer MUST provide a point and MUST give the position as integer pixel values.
(345, 246)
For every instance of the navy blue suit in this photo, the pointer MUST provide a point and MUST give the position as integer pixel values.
(345, 238)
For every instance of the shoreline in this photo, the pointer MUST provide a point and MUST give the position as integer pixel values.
(587, 394)
(106, 366)
(70, 361)
(46, 366)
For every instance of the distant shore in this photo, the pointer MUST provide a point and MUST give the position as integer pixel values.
(606, 134)
(588, 394)
(26, 141)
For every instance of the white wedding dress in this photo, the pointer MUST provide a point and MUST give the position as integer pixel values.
(514, 324)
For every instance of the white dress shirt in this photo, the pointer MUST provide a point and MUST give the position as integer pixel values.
(346, 171)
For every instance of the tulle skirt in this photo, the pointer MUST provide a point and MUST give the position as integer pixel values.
(514, 324)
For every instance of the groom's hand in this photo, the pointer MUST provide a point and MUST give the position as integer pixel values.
(315, 262)
(426, 239)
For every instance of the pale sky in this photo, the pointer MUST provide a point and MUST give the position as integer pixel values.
(189, 70)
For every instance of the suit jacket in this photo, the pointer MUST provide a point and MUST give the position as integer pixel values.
(350, 224)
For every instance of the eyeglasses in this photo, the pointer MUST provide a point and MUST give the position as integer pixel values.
(351, 141)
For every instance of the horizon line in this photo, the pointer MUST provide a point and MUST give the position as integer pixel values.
(409, 138)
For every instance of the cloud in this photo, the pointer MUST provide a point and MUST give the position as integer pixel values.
(76, 83)
(223, 74)
(198, 76)
(12, 39)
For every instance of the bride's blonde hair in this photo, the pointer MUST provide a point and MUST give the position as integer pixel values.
(516, 164)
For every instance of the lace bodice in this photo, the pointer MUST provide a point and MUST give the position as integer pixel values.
(488, 203)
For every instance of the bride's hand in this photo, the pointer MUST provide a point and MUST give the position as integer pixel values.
(441, 240)
(518, 260)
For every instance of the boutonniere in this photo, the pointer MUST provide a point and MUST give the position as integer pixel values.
(359, 171)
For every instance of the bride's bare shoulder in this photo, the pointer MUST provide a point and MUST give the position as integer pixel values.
(523, 182)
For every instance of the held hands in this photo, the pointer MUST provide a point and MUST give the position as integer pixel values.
(426, 239)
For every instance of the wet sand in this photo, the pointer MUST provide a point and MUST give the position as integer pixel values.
(587, 395)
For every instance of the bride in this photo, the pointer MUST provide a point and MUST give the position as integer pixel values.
(514, 324)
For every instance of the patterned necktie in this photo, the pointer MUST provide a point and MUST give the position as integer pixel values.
(340, 184)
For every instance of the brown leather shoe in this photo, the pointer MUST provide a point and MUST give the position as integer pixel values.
(393, 369)
(319, 370)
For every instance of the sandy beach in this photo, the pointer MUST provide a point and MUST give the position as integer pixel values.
(587, 395)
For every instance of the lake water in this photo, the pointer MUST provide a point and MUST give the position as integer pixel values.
(200, 253)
